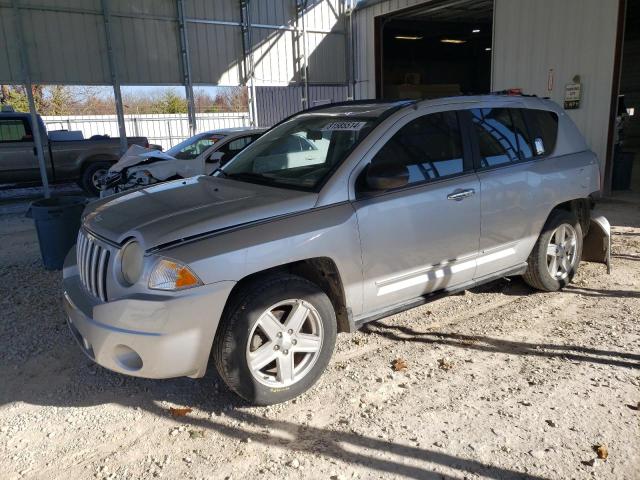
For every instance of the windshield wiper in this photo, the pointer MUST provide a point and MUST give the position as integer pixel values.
(258, 177)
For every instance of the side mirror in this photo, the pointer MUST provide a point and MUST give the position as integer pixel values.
(215, 157)
(384, 176)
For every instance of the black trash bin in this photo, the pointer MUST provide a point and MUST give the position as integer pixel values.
(57, 223)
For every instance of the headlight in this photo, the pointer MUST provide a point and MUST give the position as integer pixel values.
(131, 262)
(172, 275)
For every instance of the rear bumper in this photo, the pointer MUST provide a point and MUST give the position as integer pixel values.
(149, 336)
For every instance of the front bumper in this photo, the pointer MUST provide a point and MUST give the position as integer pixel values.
(151, 336)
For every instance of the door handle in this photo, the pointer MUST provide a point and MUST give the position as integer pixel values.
(461, 194)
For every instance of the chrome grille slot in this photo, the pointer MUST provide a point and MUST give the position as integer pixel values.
(93, 260)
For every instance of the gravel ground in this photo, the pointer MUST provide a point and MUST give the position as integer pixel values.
(500, 382)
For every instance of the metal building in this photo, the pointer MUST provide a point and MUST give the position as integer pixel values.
(539, 46)
(298, 53)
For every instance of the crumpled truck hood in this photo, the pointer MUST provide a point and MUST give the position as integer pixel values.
(175, 210)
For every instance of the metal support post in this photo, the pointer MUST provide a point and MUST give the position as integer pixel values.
(351, 56)
(301, 40)
(186, 68)
(35, 121)
(247, 61)
(383, 22)
(115, 80)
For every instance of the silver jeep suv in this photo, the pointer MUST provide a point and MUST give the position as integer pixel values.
(335, 217)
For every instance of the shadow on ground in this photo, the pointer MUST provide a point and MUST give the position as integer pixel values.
(575, 353)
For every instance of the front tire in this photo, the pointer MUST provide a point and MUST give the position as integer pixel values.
(556, 255)
(275, 339)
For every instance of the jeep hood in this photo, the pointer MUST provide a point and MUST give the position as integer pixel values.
(180, 209)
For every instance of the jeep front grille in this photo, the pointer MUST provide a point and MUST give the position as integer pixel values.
(93, 260)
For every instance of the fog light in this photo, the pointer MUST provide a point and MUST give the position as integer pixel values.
(127, 358)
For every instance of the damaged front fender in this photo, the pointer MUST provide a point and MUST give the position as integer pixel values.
(596, 246)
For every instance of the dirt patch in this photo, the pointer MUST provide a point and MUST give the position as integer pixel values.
(500, 382)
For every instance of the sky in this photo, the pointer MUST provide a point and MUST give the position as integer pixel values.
(151, 90)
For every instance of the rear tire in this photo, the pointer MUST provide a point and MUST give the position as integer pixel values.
(275, 339)
(93, 171)
(556, 255)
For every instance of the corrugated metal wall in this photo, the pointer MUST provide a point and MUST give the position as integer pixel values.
(277, 103)
(59, 38)
(66, 43)
(146, 49)
(215, 41)
(277, 52)
(572, 37)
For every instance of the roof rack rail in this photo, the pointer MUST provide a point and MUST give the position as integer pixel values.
(357, 102)
(513, 92)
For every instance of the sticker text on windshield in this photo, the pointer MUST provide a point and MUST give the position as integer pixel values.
(347, 126)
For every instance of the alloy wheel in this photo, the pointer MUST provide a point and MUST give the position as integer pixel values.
(561, 251)
(285, 343)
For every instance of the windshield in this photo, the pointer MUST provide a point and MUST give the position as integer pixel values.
(193, 147)
(300, 153)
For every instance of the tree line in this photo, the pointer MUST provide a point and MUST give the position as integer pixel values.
(68, 100)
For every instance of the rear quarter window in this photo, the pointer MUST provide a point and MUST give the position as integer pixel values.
(543, 126)
(520, 128)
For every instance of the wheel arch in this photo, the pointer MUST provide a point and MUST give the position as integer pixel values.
(321, 271)
(581, 207)
(85, 162)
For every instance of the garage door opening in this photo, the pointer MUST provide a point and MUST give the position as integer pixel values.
(626, 159)
(435, 50)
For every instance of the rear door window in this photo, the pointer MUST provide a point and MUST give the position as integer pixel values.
(14, 130)
(495, 133)
(525, 141)
(430, 147)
